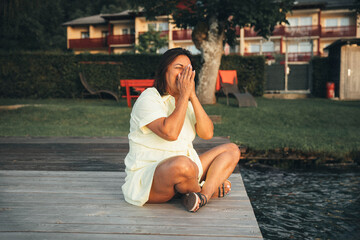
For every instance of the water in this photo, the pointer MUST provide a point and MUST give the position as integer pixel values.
(305, 204)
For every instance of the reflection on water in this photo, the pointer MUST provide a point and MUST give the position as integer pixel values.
(305, 205)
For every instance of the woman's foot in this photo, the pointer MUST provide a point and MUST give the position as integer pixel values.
(222, 190)
(194, 201)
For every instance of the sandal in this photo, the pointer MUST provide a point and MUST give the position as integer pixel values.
(190, 201)
(222, 192)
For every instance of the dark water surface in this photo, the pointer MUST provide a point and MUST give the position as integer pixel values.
(307, 204)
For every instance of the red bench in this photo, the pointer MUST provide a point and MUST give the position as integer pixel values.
(138, 84)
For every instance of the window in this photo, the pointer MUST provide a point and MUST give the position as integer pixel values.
(268, 46)
(193, 49)
(292, 48)
(84, 34)
(163, 26)
(125, 31)
(335, 22)
(151, 26)
(299, 47)
(304, 47)
(254, 48)
(344, 22)
(163, 50)
(305, 21)
(104, 34)
(293, 21)
(300, 21)
(331, 22)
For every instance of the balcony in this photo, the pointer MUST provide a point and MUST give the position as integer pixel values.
(125, 39)
(344, 31)
(250, 32)
(84, 43)
(162, 33)
(288, 31)
(179, 35)
(267, 55)
(302, 31)
(300, 56)
(292, 57)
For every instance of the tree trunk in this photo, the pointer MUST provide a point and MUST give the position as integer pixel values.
(211, 49)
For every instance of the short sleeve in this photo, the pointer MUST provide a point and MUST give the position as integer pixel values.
(148, 108)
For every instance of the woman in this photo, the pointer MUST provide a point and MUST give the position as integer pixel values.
(162, 161)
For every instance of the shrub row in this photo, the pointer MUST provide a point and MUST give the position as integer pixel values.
(47, 75)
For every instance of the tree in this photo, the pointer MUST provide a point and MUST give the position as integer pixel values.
(213, 23)
(151, 41)
(36, 24)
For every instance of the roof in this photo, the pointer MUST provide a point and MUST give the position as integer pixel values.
(96, 19)
(130, 14)
(101, 18)
(127, 14)
(324, 4)
(342, 42)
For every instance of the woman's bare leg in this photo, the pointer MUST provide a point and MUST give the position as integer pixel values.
(218, 164)
(174, 174)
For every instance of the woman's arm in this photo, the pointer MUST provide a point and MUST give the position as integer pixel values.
(170, 127)
(204, 126)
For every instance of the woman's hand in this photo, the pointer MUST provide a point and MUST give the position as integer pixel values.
(185, 82)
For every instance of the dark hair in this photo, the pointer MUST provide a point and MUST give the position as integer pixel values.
(166, 59)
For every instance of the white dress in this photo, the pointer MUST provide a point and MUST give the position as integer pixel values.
(147, 150)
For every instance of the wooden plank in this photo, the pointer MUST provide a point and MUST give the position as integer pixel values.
(90, 204)
(85, 140)
(86, 236)
(155, 229)
(74, 153)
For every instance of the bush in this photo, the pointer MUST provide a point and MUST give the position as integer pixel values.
(38, 76)
(320, 75)
(48, 75)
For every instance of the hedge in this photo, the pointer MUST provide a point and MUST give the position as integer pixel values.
(320, 75)
(50, 75)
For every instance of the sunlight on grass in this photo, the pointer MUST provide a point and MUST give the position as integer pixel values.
(310, 125)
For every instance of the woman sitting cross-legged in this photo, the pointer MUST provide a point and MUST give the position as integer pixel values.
(162, 161)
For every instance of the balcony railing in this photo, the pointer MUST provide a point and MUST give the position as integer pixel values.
(300, 31)
(182, 34)
(162, 33)
(300, 56)
(292, 57)
(87, 43)
(344, 31)
(121, 39)
(268, 55)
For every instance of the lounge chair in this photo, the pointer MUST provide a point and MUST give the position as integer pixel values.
(227, 80)
(95, 92)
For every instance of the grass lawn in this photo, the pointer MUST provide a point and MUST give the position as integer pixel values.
(308, 125)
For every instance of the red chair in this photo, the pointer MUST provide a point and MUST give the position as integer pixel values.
(138, 84)
(228, 82)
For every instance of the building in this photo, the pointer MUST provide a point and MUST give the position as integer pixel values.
(117, 33)
(314, 25)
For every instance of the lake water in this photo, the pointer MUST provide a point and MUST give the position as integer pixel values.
(312, 204)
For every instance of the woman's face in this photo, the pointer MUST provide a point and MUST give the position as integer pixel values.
(176, 67)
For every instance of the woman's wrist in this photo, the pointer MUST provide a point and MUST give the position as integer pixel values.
(193, 96)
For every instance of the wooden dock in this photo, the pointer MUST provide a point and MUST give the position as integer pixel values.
(70, 188)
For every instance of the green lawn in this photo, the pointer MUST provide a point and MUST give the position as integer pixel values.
(308, 125)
